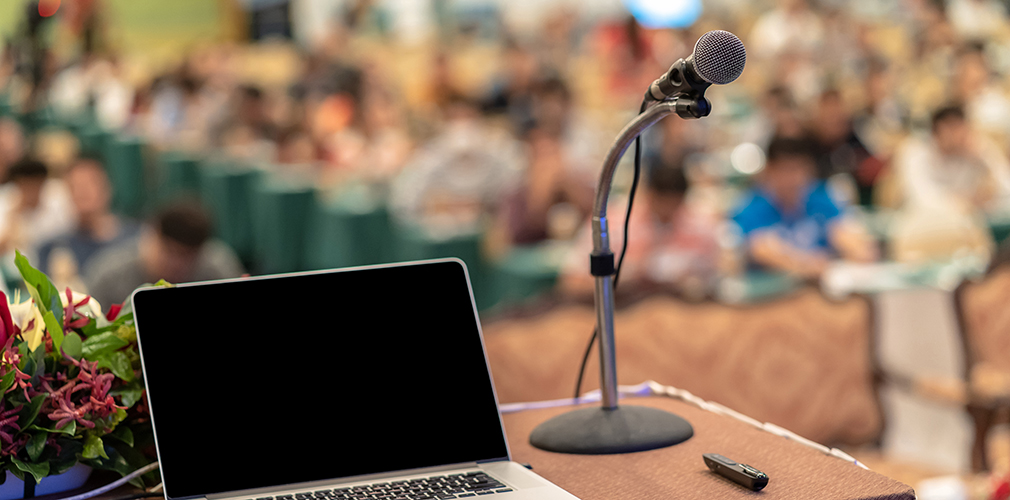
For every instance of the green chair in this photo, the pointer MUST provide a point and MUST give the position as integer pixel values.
(280, 219)
(524, 273)
(127, 168)
(178, 175)
(34, 121)
(1000, 227)
(94, 138)
(6, 108)
(414, 243)
(758, 286)
(78, 125)
(227, 190)
(350, 230)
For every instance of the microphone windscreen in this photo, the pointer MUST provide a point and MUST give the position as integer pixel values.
(719, 57)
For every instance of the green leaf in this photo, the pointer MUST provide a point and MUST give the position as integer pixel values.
(39, 357)
(54, 328)
(92, 328)
(70, 452)
(129, 394)
(30, 411)
(118, 363)
(48, 296)
(94, 447)
(38, 470)
(106, 425)
(35, 445)
(96, 346)
(72, 345)
(69, 429)
(124, 434)
(122, 459)
(7, 381)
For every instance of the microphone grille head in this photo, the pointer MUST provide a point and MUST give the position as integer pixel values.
(719, 57)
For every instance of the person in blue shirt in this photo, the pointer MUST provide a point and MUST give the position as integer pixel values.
(789, 220)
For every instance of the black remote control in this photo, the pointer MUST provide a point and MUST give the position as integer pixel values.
(741, 474)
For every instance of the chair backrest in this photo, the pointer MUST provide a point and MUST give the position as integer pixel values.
(802, 362)
(984, 317)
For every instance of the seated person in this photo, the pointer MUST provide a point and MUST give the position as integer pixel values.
(670, 245)
(175, 246)
(459, 176)
(839, 150)
(97, 227)
(789, 221)
(954, 168)
(550, 195)
(33, 209)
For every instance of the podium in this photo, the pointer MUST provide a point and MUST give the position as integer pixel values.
(795, 471)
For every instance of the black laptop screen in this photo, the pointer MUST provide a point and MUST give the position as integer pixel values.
(267, 382)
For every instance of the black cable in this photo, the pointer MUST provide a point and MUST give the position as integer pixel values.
(624, 246)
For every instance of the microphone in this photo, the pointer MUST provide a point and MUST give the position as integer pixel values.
(718, 57)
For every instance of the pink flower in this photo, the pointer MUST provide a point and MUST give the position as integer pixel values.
(9, 427)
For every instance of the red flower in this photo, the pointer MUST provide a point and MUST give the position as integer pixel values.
(113, 312)
(6, 323)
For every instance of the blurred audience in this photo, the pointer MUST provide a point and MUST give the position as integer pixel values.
(34, 208)
(503, 130)
(97, 228)
(12, 145)
(176, 245)
(839, 150)
(791, 26)
(986, 105)
(789, 220)
(459, 177)
(550, 197)
(670, 244)
(953, 167)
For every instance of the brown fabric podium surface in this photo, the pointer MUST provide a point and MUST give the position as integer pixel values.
(795, 471)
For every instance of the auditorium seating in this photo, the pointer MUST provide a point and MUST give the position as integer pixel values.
(985, 327)
(802, 361)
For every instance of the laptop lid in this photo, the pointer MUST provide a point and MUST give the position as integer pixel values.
(272, 381)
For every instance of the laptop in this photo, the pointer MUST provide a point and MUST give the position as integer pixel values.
(353, 384)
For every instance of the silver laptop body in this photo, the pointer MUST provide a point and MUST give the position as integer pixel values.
(352, 384)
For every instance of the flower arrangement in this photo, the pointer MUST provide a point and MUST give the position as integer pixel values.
(71, 385)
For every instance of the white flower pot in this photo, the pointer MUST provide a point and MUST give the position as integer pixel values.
(14, 488)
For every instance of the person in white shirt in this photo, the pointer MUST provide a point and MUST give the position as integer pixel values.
(789, 27)
(953, 167)
(985, 103)
(950, 180)
(977, 19)
(33, 209)
(459, 176)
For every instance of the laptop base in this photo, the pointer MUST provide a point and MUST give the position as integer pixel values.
(599, 431)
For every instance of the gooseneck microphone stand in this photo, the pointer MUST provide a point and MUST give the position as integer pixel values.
(612, 428)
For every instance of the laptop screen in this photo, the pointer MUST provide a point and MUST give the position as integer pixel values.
(266, 382)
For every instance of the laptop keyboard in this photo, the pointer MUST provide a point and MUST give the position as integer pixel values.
(467, 485)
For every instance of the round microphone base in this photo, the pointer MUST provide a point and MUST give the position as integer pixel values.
(598, 431)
